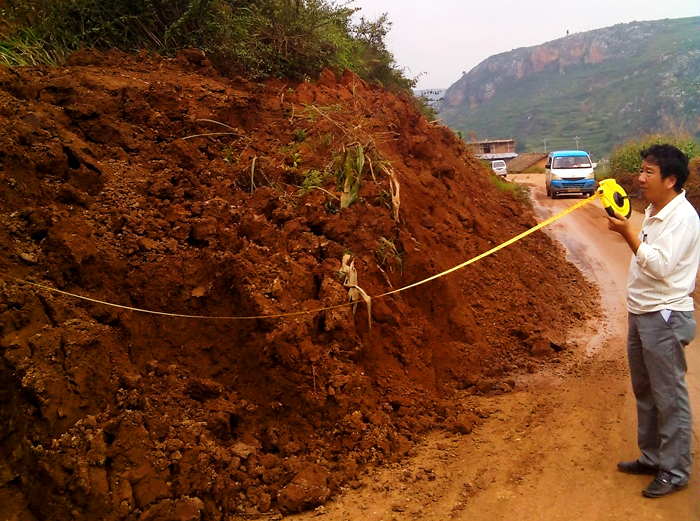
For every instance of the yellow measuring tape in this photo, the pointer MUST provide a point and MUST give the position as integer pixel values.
(602, 193)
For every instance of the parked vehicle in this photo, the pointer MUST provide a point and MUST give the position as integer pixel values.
(569, 171)
(499, 167)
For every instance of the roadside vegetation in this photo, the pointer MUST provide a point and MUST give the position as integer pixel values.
(253, 38)
(520, 191)
(627, 159)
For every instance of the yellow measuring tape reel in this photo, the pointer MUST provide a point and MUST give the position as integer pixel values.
(614, 198)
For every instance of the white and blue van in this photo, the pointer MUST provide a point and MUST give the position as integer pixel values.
(569, 171)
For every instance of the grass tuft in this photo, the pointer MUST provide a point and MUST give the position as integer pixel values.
(519, 191)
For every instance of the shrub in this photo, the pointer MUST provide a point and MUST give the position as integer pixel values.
(627, 159)
(254, 38)
(313, 179)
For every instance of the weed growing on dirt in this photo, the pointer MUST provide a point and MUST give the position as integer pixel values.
(519, 191)
(423, 104)
(230, 155)
(385, 198)
(310, 113)
(299, 135)
(296, 159)
(23, 48)
(386, 251)
(313, 179)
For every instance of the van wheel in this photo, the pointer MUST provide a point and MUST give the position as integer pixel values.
(554, 194)
(549, 191)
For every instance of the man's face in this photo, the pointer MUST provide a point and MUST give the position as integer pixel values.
(655, 188)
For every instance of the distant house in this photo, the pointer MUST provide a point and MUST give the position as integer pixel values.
(493, 148)
(527, 163)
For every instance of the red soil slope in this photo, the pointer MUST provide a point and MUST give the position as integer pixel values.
(113, 414)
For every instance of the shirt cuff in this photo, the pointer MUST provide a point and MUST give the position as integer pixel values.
(643, 254)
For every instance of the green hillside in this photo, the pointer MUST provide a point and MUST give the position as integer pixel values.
(604, 86)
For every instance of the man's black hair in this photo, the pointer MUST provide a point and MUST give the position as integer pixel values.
(670, 160)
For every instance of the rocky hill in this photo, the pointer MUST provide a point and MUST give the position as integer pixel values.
(604, 86)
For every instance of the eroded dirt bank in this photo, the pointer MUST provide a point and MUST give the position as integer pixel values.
(114, 414)
(548, 450)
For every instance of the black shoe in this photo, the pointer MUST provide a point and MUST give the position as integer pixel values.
(636, 467)
(661, 486)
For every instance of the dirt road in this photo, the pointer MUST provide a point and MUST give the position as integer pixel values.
(547, 451)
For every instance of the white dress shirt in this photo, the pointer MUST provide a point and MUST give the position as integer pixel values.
(662, 273)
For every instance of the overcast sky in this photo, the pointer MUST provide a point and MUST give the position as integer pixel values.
(445, 37)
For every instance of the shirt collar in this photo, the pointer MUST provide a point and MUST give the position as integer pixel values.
(666, 210)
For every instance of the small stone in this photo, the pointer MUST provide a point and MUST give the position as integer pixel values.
(28, 258)
(464, 424)
(398, 507)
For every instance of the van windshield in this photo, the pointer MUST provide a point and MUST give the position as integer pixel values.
(571, 162)
(498, 163)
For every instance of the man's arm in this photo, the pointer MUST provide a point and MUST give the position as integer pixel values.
(660, 259)
(622, 226)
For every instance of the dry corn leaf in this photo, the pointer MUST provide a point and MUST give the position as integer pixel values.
(347, 266)
(355, 292)
(395, 190)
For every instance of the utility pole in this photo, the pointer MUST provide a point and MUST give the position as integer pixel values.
(577, 138)
(545, 145)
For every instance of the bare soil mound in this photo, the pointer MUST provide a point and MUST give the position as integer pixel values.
(114, 414)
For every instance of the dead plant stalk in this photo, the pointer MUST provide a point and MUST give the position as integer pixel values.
(395, 190)
(331, 120)
(252, 174)
(355, 292)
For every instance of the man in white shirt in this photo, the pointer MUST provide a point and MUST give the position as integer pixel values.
(660, 320)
